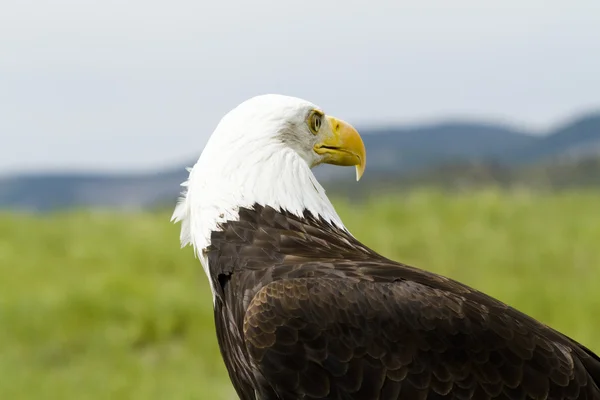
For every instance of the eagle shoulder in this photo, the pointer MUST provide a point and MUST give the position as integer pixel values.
(326, 337)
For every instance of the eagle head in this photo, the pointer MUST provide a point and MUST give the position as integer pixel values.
(262, 152)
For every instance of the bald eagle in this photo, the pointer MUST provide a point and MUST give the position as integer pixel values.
(303, 310)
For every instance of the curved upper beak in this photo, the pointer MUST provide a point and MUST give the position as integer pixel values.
(343, 146)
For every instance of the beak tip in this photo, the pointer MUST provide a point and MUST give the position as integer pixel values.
(359, 172)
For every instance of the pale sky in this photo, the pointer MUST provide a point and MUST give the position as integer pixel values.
(140, 85)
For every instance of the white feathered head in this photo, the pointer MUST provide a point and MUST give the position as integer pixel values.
(261, 153)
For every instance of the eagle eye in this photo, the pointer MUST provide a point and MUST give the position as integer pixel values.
(315, 120)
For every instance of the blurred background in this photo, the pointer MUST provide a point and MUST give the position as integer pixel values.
(481, 123)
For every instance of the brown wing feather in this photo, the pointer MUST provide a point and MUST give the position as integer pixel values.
(304, 310)
(328, 338)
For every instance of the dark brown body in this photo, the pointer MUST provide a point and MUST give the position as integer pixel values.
(304, 311)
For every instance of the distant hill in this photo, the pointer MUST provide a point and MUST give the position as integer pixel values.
(580, 138)
(440, 153)
(423, 146)
(46, 192)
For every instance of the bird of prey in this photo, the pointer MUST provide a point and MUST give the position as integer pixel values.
(303, 310)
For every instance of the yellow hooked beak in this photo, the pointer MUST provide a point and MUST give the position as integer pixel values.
(343, 146)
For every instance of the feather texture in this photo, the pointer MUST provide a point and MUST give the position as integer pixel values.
(304, 311)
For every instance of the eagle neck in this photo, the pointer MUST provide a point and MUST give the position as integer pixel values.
(218, 188)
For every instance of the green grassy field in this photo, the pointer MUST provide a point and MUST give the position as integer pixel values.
(98, 305)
